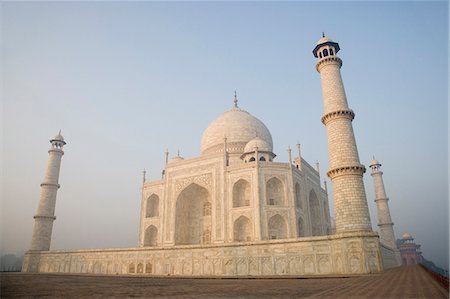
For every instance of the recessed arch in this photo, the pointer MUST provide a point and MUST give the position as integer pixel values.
(242, 230)
(241, 193)
(277, 227)
(189, 214)
(301, 227)
(152, 206)
(314, 210)
(275, 192)
(298, 199)
(151, 236)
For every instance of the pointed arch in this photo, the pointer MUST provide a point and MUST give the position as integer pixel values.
(298, 199)
(140, 268)
(189, 214)
(242, 230)
(275, 192)
(151, 236)
(301, 227)
(152, 206)
(241, 193)
(314, 210)
(277, 227)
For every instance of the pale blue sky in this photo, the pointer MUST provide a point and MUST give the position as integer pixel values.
(125, 81)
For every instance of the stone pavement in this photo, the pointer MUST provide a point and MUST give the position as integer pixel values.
(402, 282)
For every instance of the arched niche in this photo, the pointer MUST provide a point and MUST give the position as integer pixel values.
(275, 195)
(314, 210)
(151, 236)
(298, 199)
(152, 206)
(301, 227)
(241, 193)
(277, 227)
(242, 230)
(189, 214)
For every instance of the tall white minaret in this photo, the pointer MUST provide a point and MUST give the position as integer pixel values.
(345, 172)
(385, 223)
(45, 215)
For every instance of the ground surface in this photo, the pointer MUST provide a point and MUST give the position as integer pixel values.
(403, 282)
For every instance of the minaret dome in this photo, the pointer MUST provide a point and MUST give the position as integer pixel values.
(325, 47)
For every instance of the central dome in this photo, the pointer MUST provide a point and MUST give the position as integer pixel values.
(239, 127)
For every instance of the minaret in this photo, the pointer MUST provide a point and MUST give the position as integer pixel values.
(45, 215)
(345, 172)
(385, 223)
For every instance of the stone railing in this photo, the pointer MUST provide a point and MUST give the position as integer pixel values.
(441, 279)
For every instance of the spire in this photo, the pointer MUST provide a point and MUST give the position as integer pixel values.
(143, 176)
(323, 34)
(167, 155)
(235, 100)
(289, 155)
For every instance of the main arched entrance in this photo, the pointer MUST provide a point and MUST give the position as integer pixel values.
(191, 220)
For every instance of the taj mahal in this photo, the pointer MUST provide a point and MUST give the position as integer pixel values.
(235, 211)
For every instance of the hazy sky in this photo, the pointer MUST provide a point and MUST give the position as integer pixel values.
(125, 81)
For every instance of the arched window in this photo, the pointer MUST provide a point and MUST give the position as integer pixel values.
(207, 209)
(277, 227)
(325, 53)
(242, 230)
(275, 192)
(151, 236)
(152, 209)
(262, 159)
(331, 51)
(241, 194)
(320, 54)
(252, 159)
(131, 268)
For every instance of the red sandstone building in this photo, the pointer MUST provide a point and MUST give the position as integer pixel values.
(409, 251)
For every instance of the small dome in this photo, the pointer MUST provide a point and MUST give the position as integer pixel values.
(324, 40)
(407, 236)
(59, 137)
(374, 162)
(239, 127)
(262, 146)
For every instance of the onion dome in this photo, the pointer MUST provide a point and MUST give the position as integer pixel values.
(58, 140)
(407, 236)
(374, 163)
(257, 142)
(238, 127)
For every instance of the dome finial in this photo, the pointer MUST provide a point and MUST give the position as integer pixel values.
(323, 34)
(235, 100)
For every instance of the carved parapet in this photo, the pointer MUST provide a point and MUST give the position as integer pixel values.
(327, 61)
(346, 170)
(337, 114)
